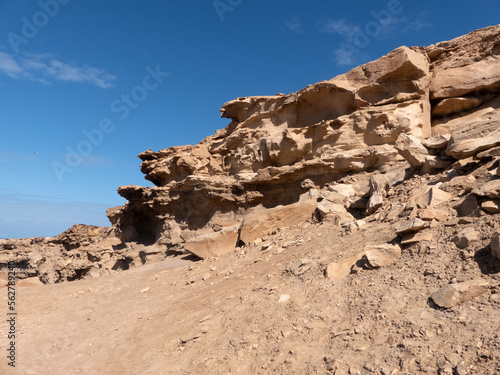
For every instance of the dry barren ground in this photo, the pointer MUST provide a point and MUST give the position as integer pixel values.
(268, 312)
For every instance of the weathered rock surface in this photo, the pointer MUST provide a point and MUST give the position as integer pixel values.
(330, 152)
(455, 294)
(411, 225)
(465, 237)
(411, 149)
(213, 244)
(382, 255)
(271, 227)
(338, 270)
(262, 221)
(490, 189)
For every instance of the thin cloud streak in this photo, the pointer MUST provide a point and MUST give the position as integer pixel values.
(348, 53)
(294, 25)
(45, 68)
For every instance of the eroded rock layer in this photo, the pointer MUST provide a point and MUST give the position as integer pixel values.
(329, 152)
(323, 134)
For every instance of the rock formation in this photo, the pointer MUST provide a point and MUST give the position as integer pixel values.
(425, 107)
(329, 152)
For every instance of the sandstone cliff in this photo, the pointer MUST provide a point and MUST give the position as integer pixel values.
(328, 152)
(426, 107)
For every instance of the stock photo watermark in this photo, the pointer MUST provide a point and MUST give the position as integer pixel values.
(121, 107)
(32, 25)
(11, 314)
(223, 6)
(358, 38)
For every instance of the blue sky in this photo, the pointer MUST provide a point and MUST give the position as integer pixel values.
(85, 86)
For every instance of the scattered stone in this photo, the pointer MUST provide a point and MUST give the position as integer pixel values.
(470, 207)
(378, 185)
(465, 237)
(333, 212)
(455, 294)
(284, 298)
(437, 142)
(434, 163)
(260, 222)
(491, 205)
(190, 336)
(412, 225)
(382, 255)
(490, 189)
(432, 214)
(434, 196)
(493, 152)
(347, 190)
(338, 270)
(411, 149)
(410, 238)
(310, 194)
(354, 225)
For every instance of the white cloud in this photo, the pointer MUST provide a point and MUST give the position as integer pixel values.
(356, 37)
(294, 25)
(45, 68)
(9, 66)
(343, 56)
(340, 27)
(420, 23)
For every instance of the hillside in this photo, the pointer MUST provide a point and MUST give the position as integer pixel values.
(351, 227)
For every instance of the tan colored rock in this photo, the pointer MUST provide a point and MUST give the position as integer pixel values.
(333, 212)
(411, 225)
(455, 294)
(382, 255)
(475, 132)
(432, 214)
(410, 238)
(378, 186)
(338, 270)
(490, 189)
(458, 81)
(411, 149)
(437, 142)
(213, 244)
(347, 190)
(491, 206)
(433, 196)
(262, 221)
(454, 105)
(464, 238)
(433, 163)
(495, 245)
(493, 152)
(470, 207)
(465, 65)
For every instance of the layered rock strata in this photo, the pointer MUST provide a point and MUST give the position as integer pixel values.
(425, 106)
(329, 152)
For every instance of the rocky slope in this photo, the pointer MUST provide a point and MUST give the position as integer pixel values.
(350, 227)
(331, 149)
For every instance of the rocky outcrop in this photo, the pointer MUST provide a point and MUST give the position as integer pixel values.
(425, 106)
(80, 252)
(330, 152)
